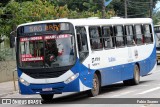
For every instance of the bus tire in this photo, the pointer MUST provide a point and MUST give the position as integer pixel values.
(136, 77)
(47, 97)
(96, 87)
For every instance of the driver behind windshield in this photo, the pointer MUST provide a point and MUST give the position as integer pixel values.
(51, 51)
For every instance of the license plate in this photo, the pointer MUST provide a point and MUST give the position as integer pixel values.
(46, 89)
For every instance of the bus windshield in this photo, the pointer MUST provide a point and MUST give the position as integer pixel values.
(47, 51)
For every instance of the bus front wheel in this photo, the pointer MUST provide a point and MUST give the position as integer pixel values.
(47, 97)
(136, 77)
(96, 86)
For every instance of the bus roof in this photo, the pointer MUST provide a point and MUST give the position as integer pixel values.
(95, 21)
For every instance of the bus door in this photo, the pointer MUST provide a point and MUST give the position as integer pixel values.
(83, 51)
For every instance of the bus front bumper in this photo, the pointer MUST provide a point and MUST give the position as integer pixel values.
(52, 88)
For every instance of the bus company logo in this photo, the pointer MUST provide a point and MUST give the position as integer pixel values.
(136, 53)
(95, 61)
(6, 101)
(21, 101)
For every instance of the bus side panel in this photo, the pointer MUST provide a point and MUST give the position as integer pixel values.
(153, 61)
(149, 63)
(110, 75)
(144, 66)
(127, 72)
(124, 72)
(117, 73)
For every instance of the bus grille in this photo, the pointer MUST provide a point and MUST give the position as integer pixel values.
(43, 73)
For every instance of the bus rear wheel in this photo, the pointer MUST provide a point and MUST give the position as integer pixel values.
(47, 97)
(96, 87)
(136, 77)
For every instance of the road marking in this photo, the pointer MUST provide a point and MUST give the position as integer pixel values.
(150, 90)
(122, 93)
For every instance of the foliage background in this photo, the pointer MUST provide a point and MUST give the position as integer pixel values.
(15, 12)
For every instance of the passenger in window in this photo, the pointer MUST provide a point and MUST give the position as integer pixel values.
(143, 39)
(94, 44)
(100, 45)
(51, 51)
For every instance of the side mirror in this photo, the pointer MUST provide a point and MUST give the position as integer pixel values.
(1, 40)
(12, 39)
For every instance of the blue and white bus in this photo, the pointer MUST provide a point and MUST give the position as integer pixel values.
(74, 55)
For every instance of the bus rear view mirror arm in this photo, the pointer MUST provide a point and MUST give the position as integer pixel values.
(12, 39)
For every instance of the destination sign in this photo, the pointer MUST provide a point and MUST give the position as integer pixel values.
(46, 27)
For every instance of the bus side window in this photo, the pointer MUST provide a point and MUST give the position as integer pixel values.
(82, 42)
(95, 37)
(119, 35)
(139, 35)
(107, 33)
(129, 35)
(148, 33)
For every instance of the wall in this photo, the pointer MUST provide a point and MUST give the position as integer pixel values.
(7, 61)
(6, 70)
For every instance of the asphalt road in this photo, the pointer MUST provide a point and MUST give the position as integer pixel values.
(148, 88)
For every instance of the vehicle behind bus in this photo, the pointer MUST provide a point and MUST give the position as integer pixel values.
(157, 33)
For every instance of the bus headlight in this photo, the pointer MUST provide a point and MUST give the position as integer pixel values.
(24, 82)
(70, 79)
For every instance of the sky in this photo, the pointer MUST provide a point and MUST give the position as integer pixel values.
(157, 6)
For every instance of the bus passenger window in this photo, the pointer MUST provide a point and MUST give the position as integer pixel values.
(139, 35)
(129, 35)
(148, 33)
(107, 33)
(95, 38)
(82, 43)
(119, 35)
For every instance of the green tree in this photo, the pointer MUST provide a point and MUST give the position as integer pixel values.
(16, 12)
(156, 18)
(136, 8)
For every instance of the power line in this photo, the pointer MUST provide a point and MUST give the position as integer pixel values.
(137, 14)
(132, 15)
(136, 2)
(138, 7)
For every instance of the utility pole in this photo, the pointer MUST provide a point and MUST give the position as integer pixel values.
(151, 7)
(125, 8)
(103, 9)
